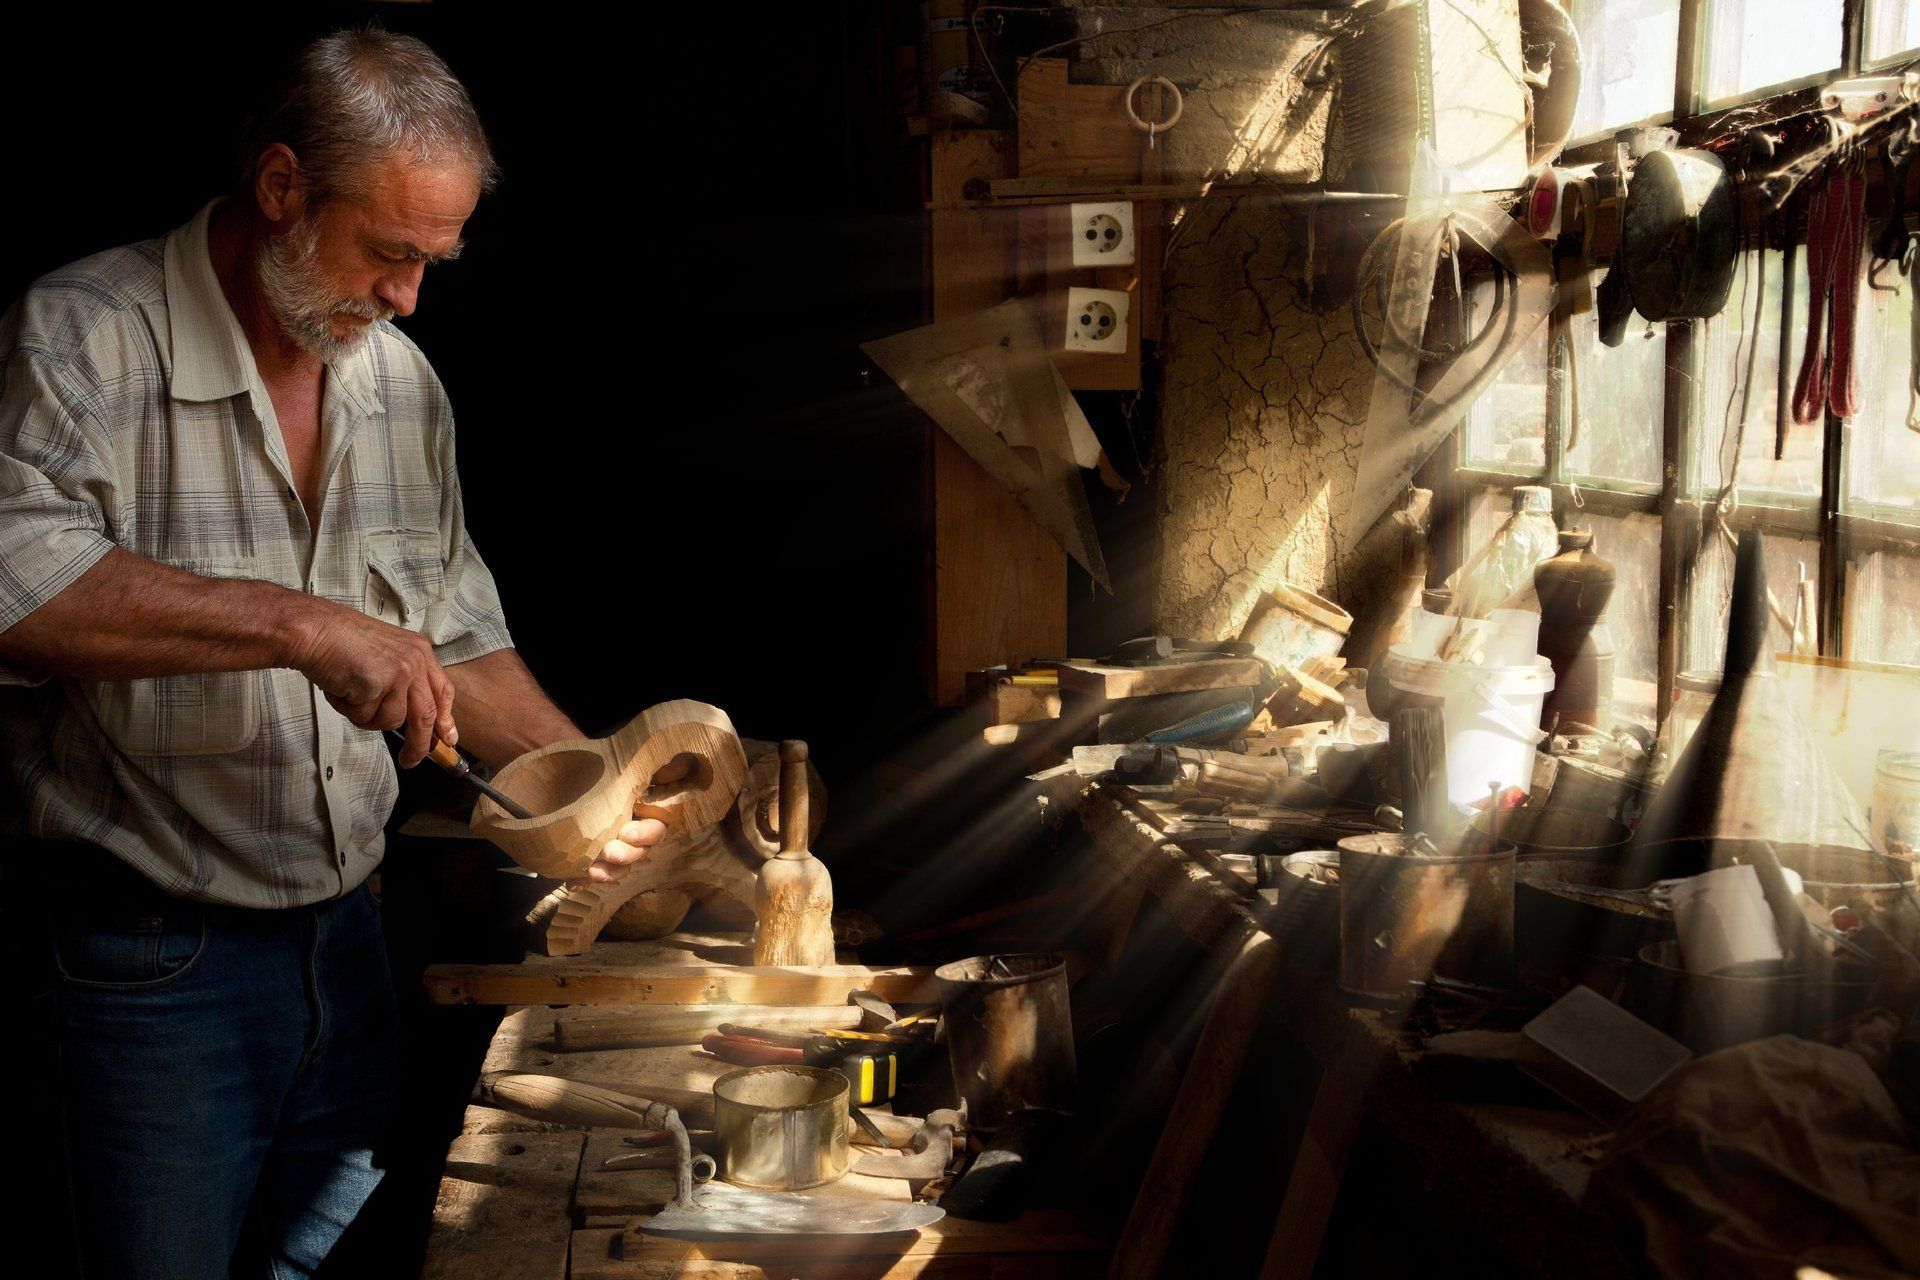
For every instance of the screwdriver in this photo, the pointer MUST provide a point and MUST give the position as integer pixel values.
(456, 764)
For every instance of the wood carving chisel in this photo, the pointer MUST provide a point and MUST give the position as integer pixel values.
(456, 764)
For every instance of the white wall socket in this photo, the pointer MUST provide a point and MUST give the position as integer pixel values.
(1097, 320)
(1102, 234)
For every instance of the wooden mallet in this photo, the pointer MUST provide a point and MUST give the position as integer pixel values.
(793, 900)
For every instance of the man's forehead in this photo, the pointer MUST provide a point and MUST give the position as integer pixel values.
(422, 206)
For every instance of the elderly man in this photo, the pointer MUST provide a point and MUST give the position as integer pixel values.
(232, 551)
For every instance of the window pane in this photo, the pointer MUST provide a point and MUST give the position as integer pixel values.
(1883, 453)
(1621, 396)
(1709, 590)
(1628, 52)
(1632, 545)
(1758, 44)
(1893, 27)
(1883, 609)
(1507, 425)
(1729, 337)
(1487, 510)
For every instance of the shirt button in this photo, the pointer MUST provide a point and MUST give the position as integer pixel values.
(329, 773)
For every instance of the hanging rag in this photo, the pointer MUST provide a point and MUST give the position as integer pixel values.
(1836, 248)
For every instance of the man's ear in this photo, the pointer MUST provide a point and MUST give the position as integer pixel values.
(277, 188)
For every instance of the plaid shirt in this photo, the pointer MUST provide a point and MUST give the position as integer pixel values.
(131, 415)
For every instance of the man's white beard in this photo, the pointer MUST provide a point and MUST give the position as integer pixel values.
(298, 297)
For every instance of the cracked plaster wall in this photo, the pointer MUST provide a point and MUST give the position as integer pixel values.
(1263, 401)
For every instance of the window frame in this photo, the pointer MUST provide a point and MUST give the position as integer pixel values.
(1844, 537)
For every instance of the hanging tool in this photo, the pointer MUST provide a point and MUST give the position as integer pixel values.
(1892, 242)
(456, 764)
(716, 1209)
(1836, 239)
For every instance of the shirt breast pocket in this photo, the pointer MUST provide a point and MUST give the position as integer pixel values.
(405, 576)
(201, 714)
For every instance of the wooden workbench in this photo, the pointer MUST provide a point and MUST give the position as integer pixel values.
(521, 1198)
(1527, 1166)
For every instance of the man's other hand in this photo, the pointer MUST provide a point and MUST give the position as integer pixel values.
(378, 676)
(620, 854)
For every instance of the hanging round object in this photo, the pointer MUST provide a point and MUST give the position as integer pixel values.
(1680, 235)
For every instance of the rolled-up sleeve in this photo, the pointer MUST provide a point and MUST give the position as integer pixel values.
(467, 621)
(55, 490)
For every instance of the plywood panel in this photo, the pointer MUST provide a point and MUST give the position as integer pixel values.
(999, 581)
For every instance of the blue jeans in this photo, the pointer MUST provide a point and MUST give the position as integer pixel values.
(224, 1072)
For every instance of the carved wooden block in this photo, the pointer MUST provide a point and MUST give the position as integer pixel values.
(582, 793)
(718, 867)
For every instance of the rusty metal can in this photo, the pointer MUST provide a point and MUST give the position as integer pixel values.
(1009, 1034)
(1408, 916)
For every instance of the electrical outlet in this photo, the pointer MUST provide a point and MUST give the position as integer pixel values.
(1102, 234)
(1097, 320)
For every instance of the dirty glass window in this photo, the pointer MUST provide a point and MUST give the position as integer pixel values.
(1753, 45)
(1507, 424)
(1709, 591)
(1618, 394)
(1631, 544)
(1883, 442)
(1628, 52)
(1892, 29)
(1883, 609)
(1726, 447)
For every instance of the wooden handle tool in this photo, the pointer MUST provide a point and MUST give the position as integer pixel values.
(793, 901)
(456, 764)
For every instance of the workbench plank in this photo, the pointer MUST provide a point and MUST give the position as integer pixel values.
(504, 1208)
(558, 981)
(596, 1257)
(632, 1192)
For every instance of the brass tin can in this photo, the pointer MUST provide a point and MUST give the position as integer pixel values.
(781, 1128)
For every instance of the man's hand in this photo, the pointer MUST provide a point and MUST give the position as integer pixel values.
(620, 854)
(378, 676)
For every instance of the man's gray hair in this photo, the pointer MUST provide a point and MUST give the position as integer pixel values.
(357, 96)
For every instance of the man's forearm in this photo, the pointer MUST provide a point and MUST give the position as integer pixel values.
(502, 711)
(129, 617)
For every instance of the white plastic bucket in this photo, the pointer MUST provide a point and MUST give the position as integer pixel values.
(1492, 717)
(1724, 923)
(1290, 625)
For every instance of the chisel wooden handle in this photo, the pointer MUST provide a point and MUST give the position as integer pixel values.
(746, 1052)
(571, 1102)
(446, 757)
(794, 813)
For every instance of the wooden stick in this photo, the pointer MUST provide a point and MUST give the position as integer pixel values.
(567, 983)
(685, 1024)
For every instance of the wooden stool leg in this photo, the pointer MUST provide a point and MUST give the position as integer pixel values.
(1240, 1000)
(1314, 1184)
